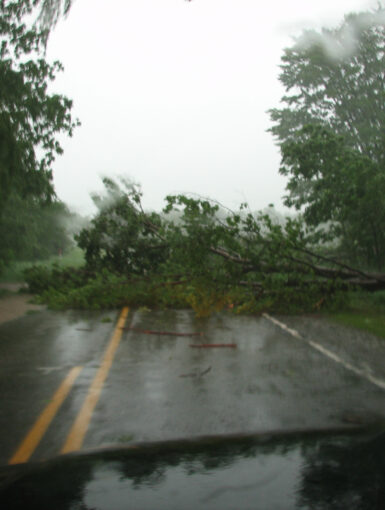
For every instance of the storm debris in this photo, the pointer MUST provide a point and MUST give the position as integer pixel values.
(197, 373)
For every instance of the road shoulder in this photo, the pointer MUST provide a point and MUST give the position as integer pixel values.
(14, 305)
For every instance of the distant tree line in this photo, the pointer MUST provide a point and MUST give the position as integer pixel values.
(30, 231)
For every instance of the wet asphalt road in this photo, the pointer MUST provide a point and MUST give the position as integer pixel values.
(159, 387)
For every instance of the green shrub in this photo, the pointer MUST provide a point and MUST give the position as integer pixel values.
(41, 278)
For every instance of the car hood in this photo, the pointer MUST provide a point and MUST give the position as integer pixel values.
(297, 470)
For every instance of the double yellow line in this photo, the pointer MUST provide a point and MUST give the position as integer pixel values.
(78, 431)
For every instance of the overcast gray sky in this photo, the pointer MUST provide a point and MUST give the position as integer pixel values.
(174, 94)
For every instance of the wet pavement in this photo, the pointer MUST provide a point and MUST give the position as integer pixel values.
(361, 349)
(160, 387)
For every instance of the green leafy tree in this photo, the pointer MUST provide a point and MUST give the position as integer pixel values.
(30, 117)
(331, 132)
(336, 78)
(334, 183)
(122, 237)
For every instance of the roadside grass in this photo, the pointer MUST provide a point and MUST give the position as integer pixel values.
(365, 311)
(14, 272)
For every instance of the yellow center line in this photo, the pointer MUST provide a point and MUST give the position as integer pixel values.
(78, 431)
(33, 438)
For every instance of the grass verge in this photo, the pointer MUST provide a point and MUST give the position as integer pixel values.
(14, 272)
(365, 311)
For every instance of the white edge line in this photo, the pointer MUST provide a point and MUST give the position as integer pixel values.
(358, 371)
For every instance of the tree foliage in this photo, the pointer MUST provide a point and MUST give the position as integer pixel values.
(30, 116)
(331, 132)
(336, 78)
(51, 11)
(339, 185)
(30, 231)
(196, 253)
(122, 237)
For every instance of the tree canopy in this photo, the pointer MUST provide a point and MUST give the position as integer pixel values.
(30, 116)
(336, 78)
(341, 186)
(121, 237)
(331, 132)
(52, 10)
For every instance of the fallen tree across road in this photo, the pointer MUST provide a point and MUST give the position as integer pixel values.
(199, 254)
